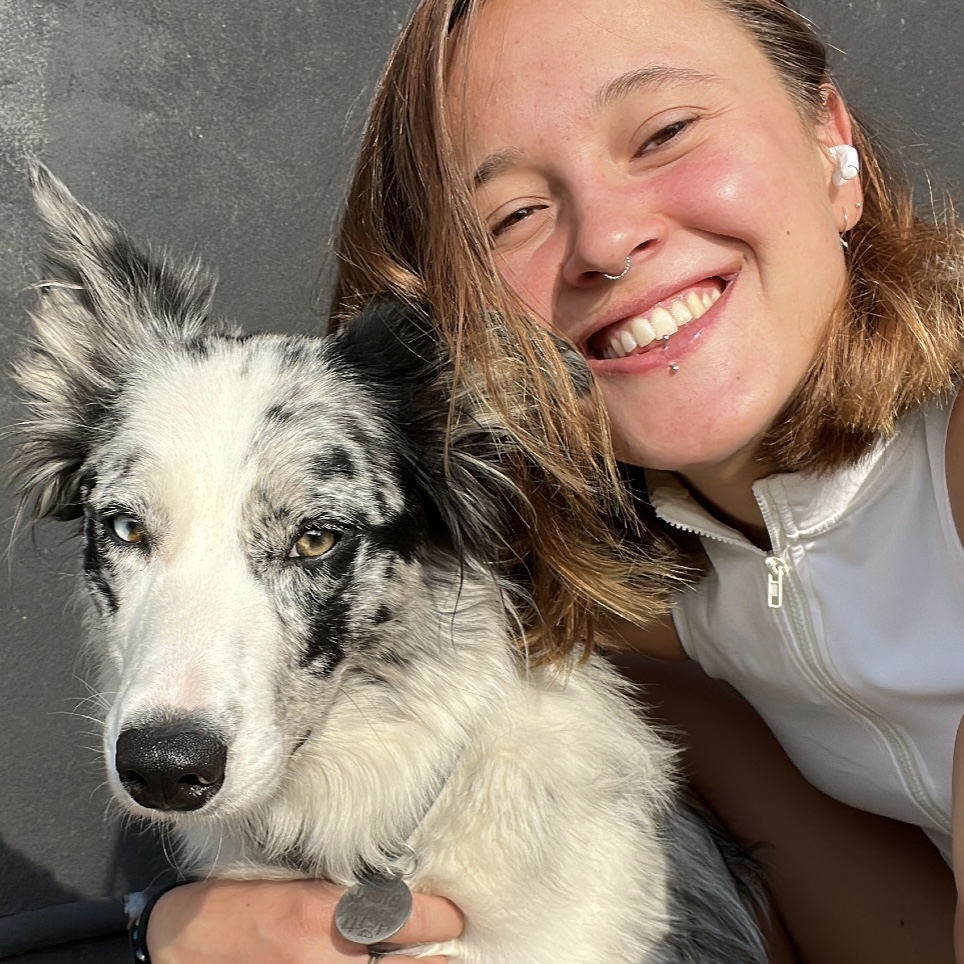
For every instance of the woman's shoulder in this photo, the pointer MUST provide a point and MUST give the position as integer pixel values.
(954, 462)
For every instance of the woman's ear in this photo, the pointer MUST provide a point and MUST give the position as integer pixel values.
(834, 131)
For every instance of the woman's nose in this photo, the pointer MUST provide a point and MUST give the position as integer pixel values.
(608, 233)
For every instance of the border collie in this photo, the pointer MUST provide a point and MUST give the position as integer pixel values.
(307, 665)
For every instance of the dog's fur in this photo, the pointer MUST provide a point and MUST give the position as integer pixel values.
(373, 707)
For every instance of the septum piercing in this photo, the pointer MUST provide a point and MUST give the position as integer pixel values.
(622, 274)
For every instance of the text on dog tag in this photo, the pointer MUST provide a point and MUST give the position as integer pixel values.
(374, 909)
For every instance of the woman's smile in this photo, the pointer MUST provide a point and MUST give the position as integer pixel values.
(646, 330)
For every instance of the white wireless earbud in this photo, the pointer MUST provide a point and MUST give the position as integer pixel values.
(846, 161)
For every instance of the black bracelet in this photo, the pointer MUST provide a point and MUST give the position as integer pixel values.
(137, 928)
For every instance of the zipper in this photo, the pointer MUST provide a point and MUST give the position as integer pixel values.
(777, 568)
(782, 592)
(782, 588)
(776, 565)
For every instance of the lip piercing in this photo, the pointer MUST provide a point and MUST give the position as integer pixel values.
(673, 369)
(665, 341)
(622, 274)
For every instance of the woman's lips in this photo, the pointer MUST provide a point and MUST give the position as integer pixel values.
(640, 333)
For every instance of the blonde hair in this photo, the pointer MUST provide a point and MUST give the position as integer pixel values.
(410, 228)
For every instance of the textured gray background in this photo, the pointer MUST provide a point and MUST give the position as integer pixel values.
(228, 126)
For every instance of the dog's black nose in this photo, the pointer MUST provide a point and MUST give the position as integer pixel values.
(172, 766)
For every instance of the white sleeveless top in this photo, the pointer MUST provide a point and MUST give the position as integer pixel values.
(848, 637)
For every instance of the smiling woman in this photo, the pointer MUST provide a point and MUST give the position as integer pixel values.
(691, 167)
(677, 189)
(701, 155)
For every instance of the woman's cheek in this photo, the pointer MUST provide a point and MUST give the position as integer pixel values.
(529, 275)
(724, 193)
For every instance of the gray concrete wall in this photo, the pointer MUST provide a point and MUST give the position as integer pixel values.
(228, 126)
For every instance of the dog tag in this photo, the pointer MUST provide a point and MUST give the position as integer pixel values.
(374, 909)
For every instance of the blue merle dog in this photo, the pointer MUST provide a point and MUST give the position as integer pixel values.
(307, 667)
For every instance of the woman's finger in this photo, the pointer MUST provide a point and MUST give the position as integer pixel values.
(433, 920)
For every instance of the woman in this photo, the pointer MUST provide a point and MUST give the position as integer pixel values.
(669, 185)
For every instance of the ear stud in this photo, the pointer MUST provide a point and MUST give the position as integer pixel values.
(846, 163)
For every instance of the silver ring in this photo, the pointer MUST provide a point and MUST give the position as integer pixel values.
(622, 274)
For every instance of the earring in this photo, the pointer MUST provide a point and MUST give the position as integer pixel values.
(846, 163)
(846, 228)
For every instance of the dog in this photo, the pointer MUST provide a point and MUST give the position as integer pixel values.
(308, 665)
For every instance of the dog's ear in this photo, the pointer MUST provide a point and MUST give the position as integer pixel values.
(98, 283)
(458, 457)
(106, 307)
(393, 343)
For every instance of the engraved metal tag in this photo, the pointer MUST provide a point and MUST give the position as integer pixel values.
(374, 909)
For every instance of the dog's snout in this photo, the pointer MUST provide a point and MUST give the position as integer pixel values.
(172, 766)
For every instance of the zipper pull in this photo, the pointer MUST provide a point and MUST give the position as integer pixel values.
(777, 567)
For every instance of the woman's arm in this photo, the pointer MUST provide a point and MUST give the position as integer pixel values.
(954, 464)
(849, 886)
(276, 922)
(957, 817)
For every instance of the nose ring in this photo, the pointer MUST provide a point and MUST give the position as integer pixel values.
(622, 274)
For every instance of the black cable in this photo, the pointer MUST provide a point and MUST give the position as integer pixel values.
(34, 930)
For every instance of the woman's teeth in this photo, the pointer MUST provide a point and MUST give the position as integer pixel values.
(658, 323)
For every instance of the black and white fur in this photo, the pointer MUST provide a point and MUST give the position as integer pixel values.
(307, 665)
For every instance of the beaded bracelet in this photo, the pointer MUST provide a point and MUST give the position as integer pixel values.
(137, 928)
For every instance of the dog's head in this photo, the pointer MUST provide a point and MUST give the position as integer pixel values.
(279, 549)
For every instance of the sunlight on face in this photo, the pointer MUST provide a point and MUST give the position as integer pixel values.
(656, 130)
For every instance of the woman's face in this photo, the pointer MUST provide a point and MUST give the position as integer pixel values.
(656, 130)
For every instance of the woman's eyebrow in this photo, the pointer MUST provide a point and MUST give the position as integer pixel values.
(494, 164)
(632, 82)
(650, 78)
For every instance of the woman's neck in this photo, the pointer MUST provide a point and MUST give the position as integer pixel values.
(726, 491)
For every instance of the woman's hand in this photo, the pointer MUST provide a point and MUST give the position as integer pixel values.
(276, 922)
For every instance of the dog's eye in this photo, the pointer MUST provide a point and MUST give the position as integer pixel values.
(313, 544)
(126, 528)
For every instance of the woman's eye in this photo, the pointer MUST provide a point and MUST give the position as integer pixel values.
(665, 135)
(313, 544)
(518, 215)
(126, 529)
